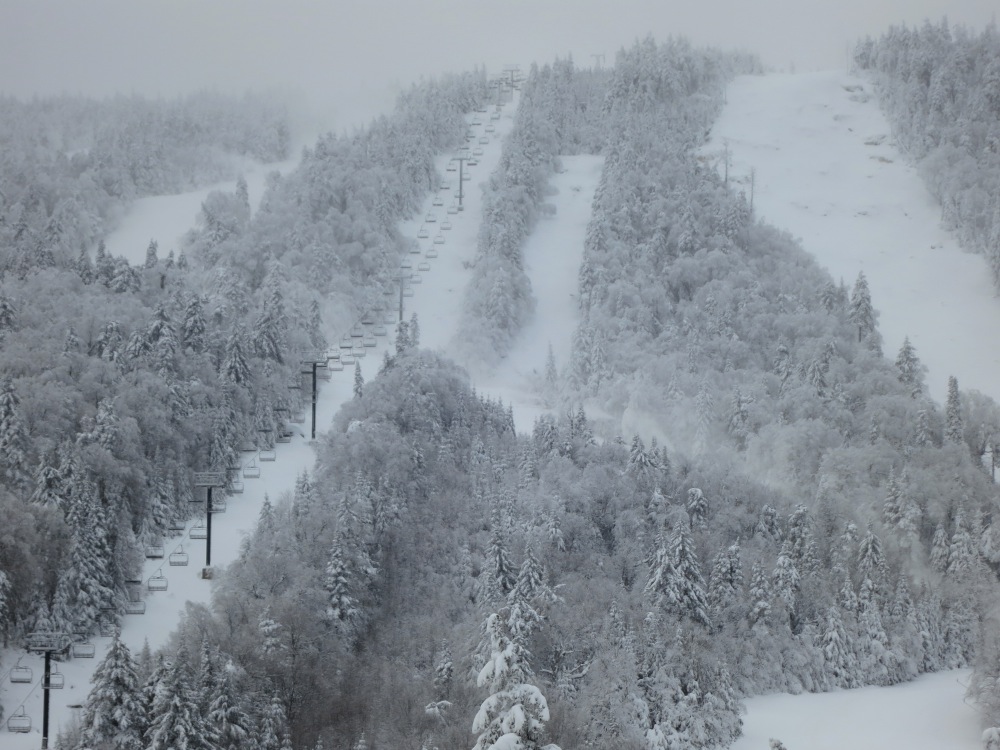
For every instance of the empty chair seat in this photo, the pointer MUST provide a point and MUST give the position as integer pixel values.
(334, 366)
(438, 200)
(408, 292)
(379, 330)
(251, 472)
(423, 234)
(178, 559)
(438, 240)
(453, 210)
(176, 525)
(199, 532)
(21, 674)
(19, 722)
(424, 266)
(83, 650)
(157, 582)
(446, 225)
(432, 253)
(154, 551)
(348, 359)
(135, 608)
(56, 681)
(430, 218)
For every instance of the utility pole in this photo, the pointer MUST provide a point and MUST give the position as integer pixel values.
(210, 480)
(461, 179)
(48, 644)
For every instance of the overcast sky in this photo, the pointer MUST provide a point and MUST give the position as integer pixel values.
(349, 57)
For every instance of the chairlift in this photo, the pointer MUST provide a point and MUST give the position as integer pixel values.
(198, 531)
(56, 681)
(235, 488)
(430, 218)
(438, 240)
(21, 674)
(453, 209)
(179, 558)
(323, 373)
(446, 225)
(19, 721)
(285, 437)
(334, 366)
(154, 551)
(176, 525)
(358, 350)
(445, 185)
(380, 330)
(484, 140)
(370, 340)
(491, 128)
(267, 455)
(424, 266)
(432, 253)
(408, 292)
(476, 122)
(252, 471)
(348, 359)
(83, 650)
(472, 163)
(423, 234)
(406, 263)
(477, 151)
(451, 167)
(367, 319)
(390, 318)
(157, 582)
(438, 201)
(466, 177)
(416, 279)
(357, 331)
(135, 608)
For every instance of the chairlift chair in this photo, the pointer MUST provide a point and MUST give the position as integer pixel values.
(21, 674)
(452, 209)
(406, 263)
(268, 455)
(491, 128)
(56, 681)
(380, 330)
(445, 185)
(424, 266)
(157, 582)
(430, 218)
(423, 234)
(472, 163)
(438, 240)
(252, 471)
(235, 488)
(334, 366)
(135, 608)
(416, 279)
(370, 340)
(484, 140)
(438, 200)
(83, 650)
(199, 531)
(390, 318)
(446, 225)
(432, 253)
(451, 167)
(178, 558)
(477, 151)
(19, 721)
(358, 350)
(348, 359)
(476, 122)
(176, 525)
(466, 177)
(323, 373)
(408, 292)
(154, 551)
(357, 331)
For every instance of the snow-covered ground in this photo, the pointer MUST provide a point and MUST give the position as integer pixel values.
(552, 257)
(926, 714)
(826, 169)
(165, 218)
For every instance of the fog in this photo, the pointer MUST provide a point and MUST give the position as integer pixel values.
(349, 58)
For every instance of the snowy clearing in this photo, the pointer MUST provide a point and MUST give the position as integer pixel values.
(828, 172)
(552, 257)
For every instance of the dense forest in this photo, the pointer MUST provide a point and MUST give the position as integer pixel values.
(119, 381)
(788, 509)
(940, 89)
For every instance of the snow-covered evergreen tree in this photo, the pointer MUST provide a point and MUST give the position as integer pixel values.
(114, 714)
(954, 430)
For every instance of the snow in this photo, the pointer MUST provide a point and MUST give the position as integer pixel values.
(860, 207)
(165, 218)
(552, 258)
(926, 714)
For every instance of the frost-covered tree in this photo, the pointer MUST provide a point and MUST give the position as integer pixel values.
(954, 430)
(862, 314)
(175, 720)
(359, 380)
(113, 714)
(234, 366)
(911, 369)
(13, 436)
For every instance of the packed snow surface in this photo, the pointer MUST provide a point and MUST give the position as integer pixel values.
(827, 170)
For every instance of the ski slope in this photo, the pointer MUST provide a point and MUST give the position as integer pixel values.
(826, 169)
(437, 301)
(552, 258)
